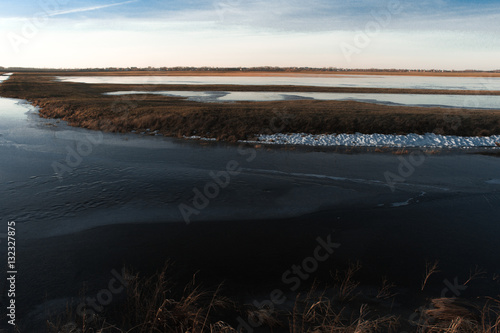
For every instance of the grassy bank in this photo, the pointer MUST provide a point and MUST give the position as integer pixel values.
(85, 106)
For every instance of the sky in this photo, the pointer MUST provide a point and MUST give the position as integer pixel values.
(427, 34)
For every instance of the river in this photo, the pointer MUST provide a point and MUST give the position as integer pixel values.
(86, 203)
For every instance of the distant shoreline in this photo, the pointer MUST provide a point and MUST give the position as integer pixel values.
(313, 73)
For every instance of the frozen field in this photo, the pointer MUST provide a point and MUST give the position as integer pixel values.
(361, 81)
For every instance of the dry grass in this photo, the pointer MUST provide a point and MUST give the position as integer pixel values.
(155, 304)
(431, 151)
(450, 315)
(318, 313)
(448, 309)
(401, 151)
(347, 282)
(429, 270)
(386, 291)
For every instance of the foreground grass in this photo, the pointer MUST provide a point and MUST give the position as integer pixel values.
(85, 106)
(155, 304)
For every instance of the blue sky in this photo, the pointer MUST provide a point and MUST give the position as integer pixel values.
(441, 34)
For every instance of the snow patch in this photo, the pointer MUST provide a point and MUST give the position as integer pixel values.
(380, 140)
(196, 137)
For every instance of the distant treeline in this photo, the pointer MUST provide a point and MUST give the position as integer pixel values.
(234, 69)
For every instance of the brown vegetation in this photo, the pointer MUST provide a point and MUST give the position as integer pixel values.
(156, 304)
(85, 106)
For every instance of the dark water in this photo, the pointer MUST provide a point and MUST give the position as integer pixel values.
(116, 201)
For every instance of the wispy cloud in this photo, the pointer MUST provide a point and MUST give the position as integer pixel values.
(328, 15)
(87, 9)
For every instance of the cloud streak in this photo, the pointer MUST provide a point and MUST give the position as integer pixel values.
(87, 9)
(322, 15)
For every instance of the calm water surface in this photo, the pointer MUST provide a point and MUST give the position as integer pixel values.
(359, 81)
(450, 101)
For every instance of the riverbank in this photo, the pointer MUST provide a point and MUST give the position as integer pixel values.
(85, 105)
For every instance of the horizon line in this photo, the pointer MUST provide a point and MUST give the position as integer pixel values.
(208, 68)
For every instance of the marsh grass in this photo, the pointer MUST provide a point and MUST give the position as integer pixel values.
(322, 315)
(430, 269)
(152, 306)
(346, 282)
(84, 105)
(156, 304)
(452, 315)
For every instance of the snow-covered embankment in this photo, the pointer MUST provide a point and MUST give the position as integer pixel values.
(381, 140)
